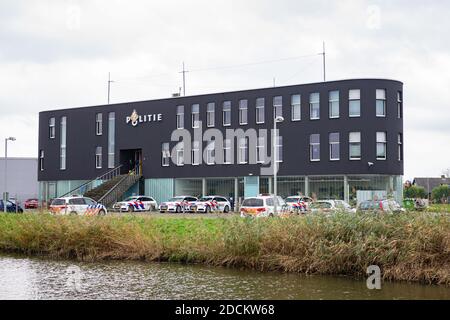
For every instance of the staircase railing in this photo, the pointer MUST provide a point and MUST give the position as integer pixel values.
(118, 190)
(111, 174)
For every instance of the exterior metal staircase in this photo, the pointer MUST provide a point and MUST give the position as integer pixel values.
(94, 183)
(107, 188)
(123, 183)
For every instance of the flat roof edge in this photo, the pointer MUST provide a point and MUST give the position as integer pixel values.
(226, 92)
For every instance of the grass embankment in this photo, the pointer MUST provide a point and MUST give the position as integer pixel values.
(410, 246)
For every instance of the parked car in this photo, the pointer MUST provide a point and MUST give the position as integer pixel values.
(379, 206)
(261, 206)
(344, 206)
(331, 206)
(211, 204)
(136, 204)
(322, 206)
(31, 204)
(77, 205)
(10, 207)
(298, 204)
(177, 204)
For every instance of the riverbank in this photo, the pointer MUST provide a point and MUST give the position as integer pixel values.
(410, 246)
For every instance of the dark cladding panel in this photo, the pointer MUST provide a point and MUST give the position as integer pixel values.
(158, 121)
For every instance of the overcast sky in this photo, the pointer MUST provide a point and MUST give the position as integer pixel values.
(57, 54)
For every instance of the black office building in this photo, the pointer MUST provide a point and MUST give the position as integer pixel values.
(335, 140)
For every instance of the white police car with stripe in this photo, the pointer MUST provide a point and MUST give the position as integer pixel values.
(77, 205)
(209, 204)
(136, 204)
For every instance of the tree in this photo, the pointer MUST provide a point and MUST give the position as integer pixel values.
(414, 192)
(441, 193)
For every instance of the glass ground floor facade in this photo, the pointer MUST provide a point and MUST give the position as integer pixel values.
(352, 188)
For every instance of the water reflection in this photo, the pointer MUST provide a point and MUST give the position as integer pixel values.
(25, 278)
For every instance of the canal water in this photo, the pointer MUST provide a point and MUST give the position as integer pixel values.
(36, 278)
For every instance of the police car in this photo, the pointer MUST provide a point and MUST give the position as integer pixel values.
(298, 204)
(177, 204)
(77, 205)
(136, 204)
(211, 204)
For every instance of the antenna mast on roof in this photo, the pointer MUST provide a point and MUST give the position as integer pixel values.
(324, 68)
(184, 79)
(109, 85)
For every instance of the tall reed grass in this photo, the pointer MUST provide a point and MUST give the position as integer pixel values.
(410, 246)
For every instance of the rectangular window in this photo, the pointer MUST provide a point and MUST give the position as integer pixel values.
(180, 154)
(381, 145)
(226, 113)
(180, 117)
(51, 128)
(277, 107)
(41, 160)
(99, 124)
(259, 110)
(98, 157)
(354, 103)
(334, 146)
(62, 162)
(165, 154)
(210, 153)
(314, 147)
(210, 114)
(195, 116)
(400, 147)
(243, 150)
(195, 153)
(381, 103)
(399, 104)
(354, 140)
(314, 106)
(227, 151)
(243, 108)
(333, 103)
(260, 150)
(279, 148)
(296, 107)
(111, 139)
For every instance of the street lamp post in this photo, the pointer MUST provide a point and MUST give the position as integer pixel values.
(5, 194)
(275, 165)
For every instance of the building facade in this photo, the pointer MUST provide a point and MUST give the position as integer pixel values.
(22, 178)
(339, 139)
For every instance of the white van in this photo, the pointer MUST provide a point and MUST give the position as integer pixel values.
(261, 206)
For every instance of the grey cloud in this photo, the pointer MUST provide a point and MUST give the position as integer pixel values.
(48, 61)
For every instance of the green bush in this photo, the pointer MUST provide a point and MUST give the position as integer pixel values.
(415, 192)
(439, 194)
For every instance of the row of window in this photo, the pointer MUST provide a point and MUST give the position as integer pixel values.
(98, 125)
(354, 107)
(99, 131)
(354, 141)
(98, 159)
(314, 149)
(243, 155)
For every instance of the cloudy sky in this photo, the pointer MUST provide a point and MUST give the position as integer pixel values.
(57, 53)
